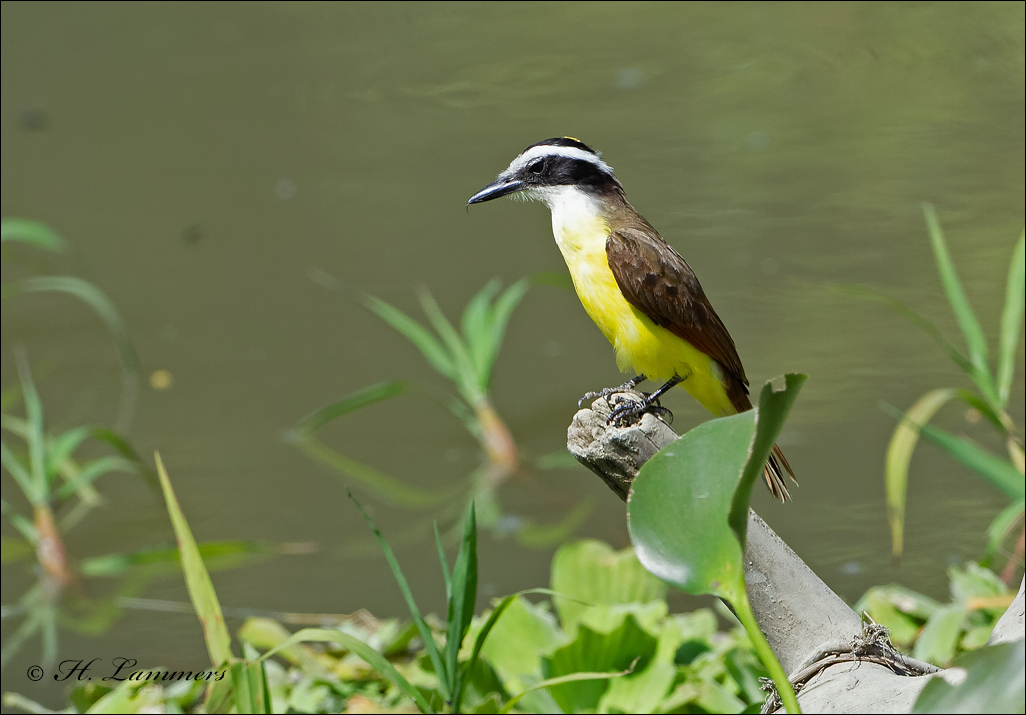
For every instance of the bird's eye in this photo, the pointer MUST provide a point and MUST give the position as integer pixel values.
(537, 167)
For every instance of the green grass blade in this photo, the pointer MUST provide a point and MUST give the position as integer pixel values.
(477, 317)
(915, 318)
(352, 403)
(17, 470)
(466, 377)
(91, 471)
(32, 233)
(383, 486)
(416, 333)
(462, 600)
(1002, 525)
(35, 438)
(101, 305)
(1011, 319)
(963, 311)
(995, 470)
(899, 456)
(422, 627)
(24, 526)
(370, 656)
(201, 589)
(501, 313)
(446, 575)
(62, 447)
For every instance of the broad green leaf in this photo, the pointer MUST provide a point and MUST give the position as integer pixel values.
(679, 506)
(518, 639)
(33, 233)
(1011, 320)
(416, 333)
(352, 403)
(549, 683)
(770, 415)
(995, 470)
(640, 692)
(201, 590)
(594, 573)
(626, 647)
(899, 456)
(422, 627)
(960, 305)
(974, 581)
(995, 682)
(370, 656)
(939, 638)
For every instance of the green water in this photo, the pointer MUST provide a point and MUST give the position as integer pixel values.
(214, 166)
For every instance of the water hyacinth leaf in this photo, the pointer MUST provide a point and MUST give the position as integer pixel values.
(370, 656)
(960, 306)
(679, 505)
(770, 415)
(627, 647)
(590, 572)
(1011, 320)
(201, 589)
(939, 638)
(550, 683)
(32, 233)
(523, 633)
(994, 683)
(899, 457)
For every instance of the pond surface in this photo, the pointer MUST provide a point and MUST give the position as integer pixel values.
(221, 170)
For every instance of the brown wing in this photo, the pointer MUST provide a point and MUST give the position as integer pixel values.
(657, 281)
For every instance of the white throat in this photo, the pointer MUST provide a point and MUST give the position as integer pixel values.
(577, 217)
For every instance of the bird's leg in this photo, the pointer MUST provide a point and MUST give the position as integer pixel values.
(607, 391)
(630, 411)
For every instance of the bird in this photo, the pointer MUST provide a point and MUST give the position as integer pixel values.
(638, 290)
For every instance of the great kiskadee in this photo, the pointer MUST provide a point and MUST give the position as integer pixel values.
(642, 295)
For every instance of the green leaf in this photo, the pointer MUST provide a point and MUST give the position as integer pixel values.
(63, 446)
(590, 572)
(370, 656)
(626, 647)
(549, 683)
(352, 403)
(679, 506)
(518, 639)
(92, 471)
(36, 434)
(461, 603)
(422, 626)
(939, 638)
(995, 470)
(960, 306)
(416, 333)
(17, 470)
(913, 316)
(32, 233)
(1011, 320)
(466, 376)
(899, 456)
(249, 686)
(1002, 525)
(476, 323)
(201, 589)
(770, 414)
(995, 682)
(501, 313)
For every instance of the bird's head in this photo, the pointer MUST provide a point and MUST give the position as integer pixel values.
(548, 168)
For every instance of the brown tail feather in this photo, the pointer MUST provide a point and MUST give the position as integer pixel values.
(775, 476)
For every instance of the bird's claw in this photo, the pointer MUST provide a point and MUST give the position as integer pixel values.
(629, 411)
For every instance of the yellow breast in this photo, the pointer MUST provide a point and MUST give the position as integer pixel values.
(639, 344)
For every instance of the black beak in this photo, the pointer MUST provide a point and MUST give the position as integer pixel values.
(498, 188)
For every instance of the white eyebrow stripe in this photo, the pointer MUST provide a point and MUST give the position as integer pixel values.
(570, 152)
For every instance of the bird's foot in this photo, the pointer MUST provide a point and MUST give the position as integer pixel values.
(629, 411)
(607, 392)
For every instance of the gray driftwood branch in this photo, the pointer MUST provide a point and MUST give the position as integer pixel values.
(837, 663)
